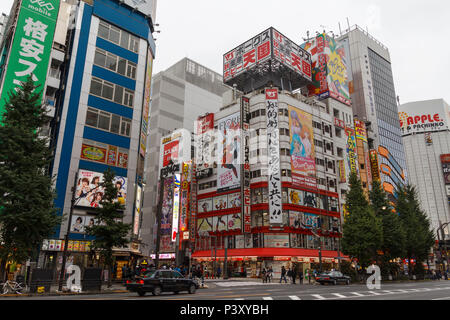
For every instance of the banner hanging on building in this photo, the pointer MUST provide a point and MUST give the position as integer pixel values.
(303, 156)
(31, 47)
(273, 148)
(245, 187)
(229, 147)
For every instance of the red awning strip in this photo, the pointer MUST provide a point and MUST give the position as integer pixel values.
(267, 252)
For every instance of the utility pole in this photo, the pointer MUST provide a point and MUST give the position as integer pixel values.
(66, 240)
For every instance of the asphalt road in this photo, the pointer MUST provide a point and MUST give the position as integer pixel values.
(239, 290)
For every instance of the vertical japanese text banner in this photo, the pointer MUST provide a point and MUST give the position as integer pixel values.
(273, 145)
(31, 47)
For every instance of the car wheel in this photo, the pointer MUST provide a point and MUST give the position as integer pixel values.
(192, 289)
(156, 291)
(176, 292)
(322, 283)
(141, 293)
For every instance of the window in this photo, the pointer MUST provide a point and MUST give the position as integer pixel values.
(109, 122)
(118, 36)
(115, 63)
(111, 91)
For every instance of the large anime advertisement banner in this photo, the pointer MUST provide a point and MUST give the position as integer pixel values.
(273, 146)
(90, 192)
(352, 158)
(303, 163)
(166, 244)
(329, 68)
(229, 171)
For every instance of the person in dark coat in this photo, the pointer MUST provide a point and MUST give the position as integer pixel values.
(294, 274)
(283, 274)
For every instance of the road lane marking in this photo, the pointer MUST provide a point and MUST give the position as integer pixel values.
(267, 298)
(294, 298)
(445, 298)
(339, 295)
(318, 296)
(357, 294)
(374, 293)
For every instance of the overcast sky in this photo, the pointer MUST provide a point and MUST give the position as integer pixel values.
(417, 33)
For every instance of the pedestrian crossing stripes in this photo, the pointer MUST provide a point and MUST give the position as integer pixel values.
(350, 295)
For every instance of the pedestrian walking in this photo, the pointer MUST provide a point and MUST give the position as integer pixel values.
(300, 277)
(270, 274)
(294, 275)
(219, 272)
(263, 274)
(283, 274)
(289, 274)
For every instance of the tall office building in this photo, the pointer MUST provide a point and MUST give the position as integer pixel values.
(180, 94)
(426, 137)
(94, 60)
(374, 102)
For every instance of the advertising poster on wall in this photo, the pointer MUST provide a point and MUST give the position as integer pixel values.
(220, 223)
(302, 148)
(352, 160)
(329, 68)
(146, 104)
(167, 207)
(204, 226)
(205, 205)
(276, 240)
(89, 192)
(229, 148)
(204, 127)
(421, 117)
(295, 197)
(234, 200)
(220, 203)
(294, 219)
(234, 221)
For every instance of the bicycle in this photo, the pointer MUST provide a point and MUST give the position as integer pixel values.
(12, 287)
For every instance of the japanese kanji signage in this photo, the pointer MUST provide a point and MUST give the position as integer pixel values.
(32, 45)
(268, 54)
(273, 145)
(245, 187)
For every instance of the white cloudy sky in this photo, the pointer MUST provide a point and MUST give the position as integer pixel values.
(417, 33)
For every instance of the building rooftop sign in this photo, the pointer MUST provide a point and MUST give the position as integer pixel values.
(267, 57)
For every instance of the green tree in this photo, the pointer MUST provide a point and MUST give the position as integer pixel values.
(419, 237)
(362, 230)
(393, 244)
(27, 214)
(109, 230)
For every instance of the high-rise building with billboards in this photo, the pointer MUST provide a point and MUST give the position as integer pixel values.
(267, 188)
(180, 94)
(93, 59)
(425, 129)
(374, 102)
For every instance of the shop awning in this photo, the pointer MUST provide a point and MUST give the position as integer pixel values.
(267, 252)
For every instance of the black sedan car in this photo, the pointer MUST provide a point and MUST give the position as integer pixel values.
(158, 281)
(333, 277)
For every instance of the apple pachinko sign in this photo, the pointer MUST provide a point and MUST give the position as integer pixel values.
(32, 45)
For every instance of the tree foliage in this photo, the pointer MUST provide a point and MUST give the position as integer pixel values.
(109, 230)
(419, 237)
(27, 213)
(362, 230)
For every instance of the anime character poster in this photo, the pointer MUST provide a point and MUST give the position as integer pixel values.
(234, 221)
(90, 192)
(167, 207)
(220, 223)
(303, 163)
(228, 171)
(220, 203)
(205, 205)
(234, 200)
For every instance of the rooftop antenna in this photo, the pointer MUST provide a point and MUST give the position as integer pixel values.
(348, 24)
(340, 31)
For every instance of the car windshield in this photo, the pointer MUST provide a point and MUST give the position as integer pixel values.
(150, 274)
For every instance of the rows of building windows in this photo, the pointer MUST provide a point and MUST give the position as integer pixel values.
(112, 92)
(109, 122)
(115, 63)
(118, 36)
(267, 240)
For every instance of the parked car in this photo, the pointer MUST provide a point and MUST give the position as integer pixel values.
(158, 281)
(333, 277)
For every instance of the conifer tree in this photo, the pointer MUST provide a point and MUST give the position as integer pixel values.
(362, 231)
(419, 237)
(109, 230)
(27, 213)
(393, 245)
